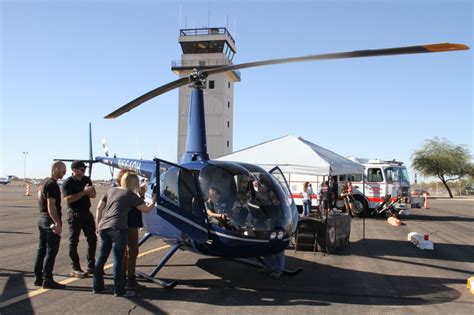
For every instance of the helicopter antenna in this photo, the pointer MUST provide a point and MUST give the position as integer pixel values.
(138, 148)
(208, 12)
(158, 147)
(180, 14)
(90, 150)
(235, 30)
(105, 147)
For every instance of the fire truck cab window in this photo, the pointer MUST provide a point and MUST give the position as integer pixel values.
(374, 175)
(390, 175)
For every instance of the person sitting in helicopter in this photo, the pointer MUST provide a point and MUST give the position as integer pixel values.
(264, 194)
(262, 202)
(214, 209)
(239, 211)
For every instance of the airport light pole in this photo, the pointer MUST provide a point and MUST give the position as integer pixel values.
(25, 153)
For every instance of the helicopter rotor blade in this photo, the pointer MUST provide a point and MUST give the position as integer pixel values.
(431, 48)
(420, 49)
(148, 96)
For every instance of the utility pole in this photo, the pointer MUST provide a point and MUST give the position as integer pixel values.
(24, 167)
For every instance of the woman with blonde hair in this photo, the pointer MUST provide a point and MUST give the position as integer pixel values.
(134, 223)
(111, 221)
(307, 193)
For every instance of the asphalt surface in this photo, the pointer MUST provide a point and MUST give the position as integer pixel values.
(381, 272)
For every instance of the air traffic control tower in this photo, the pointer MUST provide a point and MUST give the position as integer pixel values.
(207, 48)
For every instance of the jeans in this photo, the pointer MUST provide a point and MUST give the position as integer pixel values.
(81, 220)
(115, 241)
(306, 207)
(275, 262)
(48, 248)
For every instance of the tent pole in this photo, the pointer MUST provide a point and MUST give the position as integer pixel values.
(363, 219)
(328, 196)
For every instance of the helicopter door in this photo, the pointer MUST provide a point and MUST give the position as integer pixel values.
(278, 175)
(180, 203)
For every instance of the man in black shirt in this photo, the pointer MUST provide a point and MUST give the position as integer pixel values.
(77, 191)
(50, 227)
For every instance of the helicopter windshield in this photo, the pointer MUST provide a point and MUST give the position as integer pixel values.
(244, 198)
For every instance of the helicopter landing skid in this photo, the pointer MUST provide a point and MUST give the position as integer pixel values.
(151, 276)
(163, 283)
(260, 264)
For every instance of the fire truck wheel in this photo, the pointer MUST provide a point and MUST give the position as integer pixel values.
(360, 205)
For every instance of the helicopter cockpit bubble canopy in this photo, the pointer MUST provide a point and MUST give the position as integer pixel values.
(253, 202)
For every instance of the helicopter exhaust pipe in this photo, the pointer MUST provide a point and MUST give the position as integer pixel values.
(196, 143)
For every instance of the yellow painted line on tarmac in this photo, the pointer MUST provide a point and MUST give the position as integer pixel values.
(154, 250)
(39, 291)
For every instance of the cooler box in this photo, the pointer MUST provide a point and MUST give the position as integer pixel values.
(337, 234)
(416, 202)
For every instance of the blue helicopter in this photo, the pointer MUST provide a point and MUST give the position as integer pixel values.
(256, 215)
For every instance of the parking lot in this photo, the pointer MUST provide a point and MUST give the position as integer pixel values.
(380, 271)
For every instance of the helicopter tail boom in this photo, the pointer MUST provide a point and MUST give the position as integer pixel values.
(145, 168)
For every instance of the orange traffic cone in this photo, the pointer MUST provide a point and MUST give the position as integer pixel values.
(27, 190)
(470, 284)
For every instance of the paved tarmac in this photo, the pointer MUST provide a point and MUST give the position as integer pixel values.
(381, 273)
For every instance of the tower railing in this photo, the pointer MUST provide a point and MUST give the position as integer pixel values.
(205, 31)
(202, 63)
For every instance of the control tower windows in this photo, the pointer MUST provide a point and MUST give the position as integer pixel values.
(206, 47)
(228, 51)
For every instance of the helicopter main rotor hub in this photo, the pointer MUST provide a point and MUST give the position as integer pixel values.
(197, 79)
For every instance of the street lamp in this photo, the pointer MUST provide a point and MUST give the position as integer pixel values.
(24, 169)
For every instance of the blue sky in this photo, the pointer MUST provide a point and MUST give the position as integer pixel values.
(67, 63)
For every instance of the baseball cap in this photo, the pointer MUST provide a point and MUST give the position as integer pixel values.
(78, 164)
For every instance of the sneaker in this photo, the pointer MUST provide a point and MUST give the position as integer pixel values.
(90, 271)
(103, 291)
(78, 273)
(51, 284)
(133, 284)
(38, 282)
(275, 274)
(127, 293)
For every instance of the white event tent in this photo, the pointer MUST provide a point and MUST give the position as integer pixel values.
(295, 155)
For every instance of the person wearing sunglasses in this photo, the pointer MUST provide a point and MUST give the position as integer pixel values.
(77, 191)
